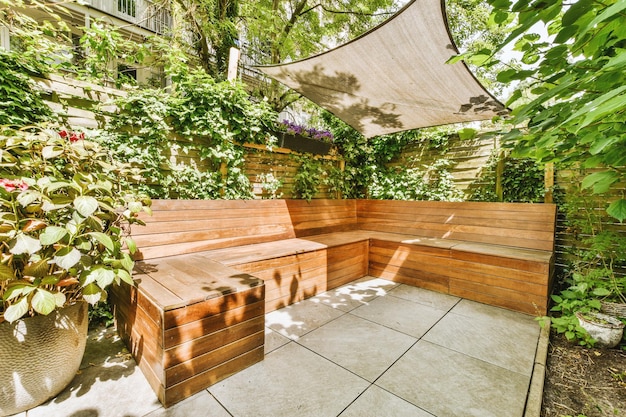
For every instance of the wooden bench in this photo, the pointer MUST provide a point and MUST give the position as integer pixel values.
(208, 271)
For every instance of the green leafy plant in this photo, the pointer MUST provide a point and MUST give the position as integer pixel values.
(569, 100)
(522, 180)
(201, 117)
(592, 275)
(22, 103)
(63, 221)
(308, 178)
(270, 185)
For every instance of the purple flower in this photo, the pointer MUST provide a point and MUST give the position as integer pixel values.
(295, 129)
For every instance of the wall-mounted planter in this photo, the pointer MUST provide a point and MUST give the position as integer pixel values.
(303, 144)
(606, 330)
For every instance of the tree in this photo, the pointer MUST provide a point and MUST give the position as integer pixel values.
(213, 24)
(576, 112)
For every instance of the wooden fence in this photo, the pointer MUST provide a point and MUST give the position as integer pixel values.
(87, 105)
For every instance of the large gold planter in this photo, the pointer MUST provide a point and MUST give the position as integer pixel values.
(39, 356)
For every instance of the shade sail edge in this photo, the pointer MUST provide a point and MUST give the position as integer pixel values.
(362, 70)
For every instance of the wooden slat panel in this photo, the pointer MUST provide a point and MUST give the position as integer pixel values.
(509, 224)
(525, 303)
(211, 324)
(507, 280)
(198, 311)
(280, 276)
(300, 285)
(190, 350)
(404, 275)
(194, 280)
(207, 378)
(267, 250)
(502, 271)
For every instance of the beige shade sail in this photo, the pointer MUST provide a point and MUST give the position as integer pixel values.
(394, 77)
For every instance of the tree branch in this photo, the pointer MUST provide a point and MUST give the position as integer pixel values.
(328, 10)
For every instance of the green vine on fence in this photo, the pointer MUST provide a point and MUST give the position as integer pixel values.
(522, 180)
(22, 103)
(202, 119)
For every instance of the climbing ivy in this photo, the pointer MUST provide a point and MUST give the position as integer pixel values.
(308, 178)
(21, 103)
(522, 180)
(368, 175)
(201, 119)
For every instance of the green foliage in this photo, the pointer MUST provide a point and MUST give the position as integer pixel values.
(107, 48)
(101, 314)
(522, 181)
(577, 105)
(200, 117)
(368, 174)
(592, 276)
(214, 27)
(21, 102)
(434, 183)
(270, 185)
(309, 177)
(63, 221)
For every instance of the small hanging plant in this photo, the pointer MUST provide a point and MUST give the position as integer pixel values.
(295, 129)
(63, 221)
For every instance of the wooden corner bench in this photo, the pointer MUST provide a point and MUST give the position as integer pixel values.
(208, 271)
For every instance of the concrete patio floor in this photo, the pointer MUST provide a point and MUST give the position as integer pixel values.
(370, 348)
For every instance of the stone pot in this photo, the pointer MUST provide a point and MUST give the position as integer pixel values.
(606, 330)
(39, 356)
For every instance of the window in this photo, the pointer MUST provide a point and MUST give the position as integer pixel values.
(126, 74)
(127, 7)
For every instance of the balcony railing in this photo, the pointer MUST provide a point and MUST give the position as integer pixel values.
(142, 13)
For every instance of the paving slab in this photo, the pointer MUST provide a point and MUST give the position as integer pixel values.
(274, 340)
(408, 317)
(298, 319)
(109, 384)
(201, 404)
(376, 402)
(356, 294)
(359, 345)
(290, 381)
(448, 383)
(432, 299)
(497, 337)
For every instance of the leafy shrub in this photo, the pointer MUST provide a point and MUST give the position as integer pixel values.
(596, 252)
(63, 221)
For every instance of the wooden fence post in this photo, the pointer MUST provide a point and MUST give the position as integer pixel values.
(224, 172)
(549, 183)
(342, 168)
(499, 172)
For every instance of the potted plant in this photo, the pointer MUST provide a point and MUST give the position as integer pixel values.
(606, 330)
(301, 139)
(63, 232)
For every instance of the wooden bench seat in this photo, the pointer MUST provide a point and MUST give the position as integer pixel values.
(497, 253)
(209, 270)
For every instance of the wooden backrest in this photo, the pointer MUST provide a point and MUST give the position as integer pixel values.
(186, 226)
(322, 216)
(518, 225)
